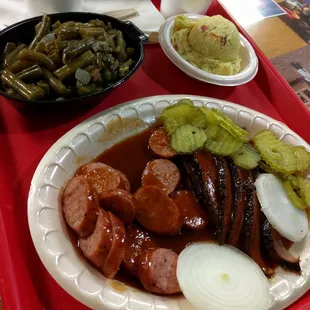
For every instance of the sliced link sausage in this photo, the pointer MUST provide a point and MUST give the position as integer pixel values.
(97, 246)
(137, 241)
(101, 177)
(162, 173)
(157, 271)
(80, 206)
(156, 211)
(119, 202)
(159, 144)
(117, 251)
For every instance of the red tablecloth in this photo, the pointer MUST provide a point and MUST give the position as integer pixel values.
(24, 139)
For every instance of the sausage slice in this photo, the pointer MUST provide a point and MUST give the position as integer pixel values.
(97, 246)
(124, 182)
(159, 144)
(162, 173)
(156, 211)
(137, 241)
(117, 251)
(101, 177)
(80, 206)
(194, 217)
(157, 271)
(119, 202)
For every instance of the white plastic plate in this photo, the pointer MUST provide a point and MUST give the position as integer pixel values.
(86, 141)
(249, 63)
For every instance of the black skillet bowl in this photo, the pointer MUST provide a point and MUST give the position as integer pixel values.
(24, 31)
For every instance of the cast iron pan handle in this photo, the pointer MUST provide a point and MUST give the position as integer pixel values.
(134, 32)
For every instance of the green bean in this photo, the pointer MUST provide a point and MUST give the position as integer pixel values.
(55, 84)
(61, 45)
(99, 61)
(13, 93)
(68, 33)
(55, 57)
(126, 63)
(40, 47)
(27, 91)
(102, 47)
(13, 56)
(92, 32)
(68, 24)
(56, 25)
(84, 90)
(76, 49)
(106, 74)
(30, 74)
(102, 38)
(108, 27)
(130, 51)
(9, 47)
(44, 30)
(97, 23)
(50, 46)
(43, 60)
(44, 85)
(120, 46)
(82, 61)
(20, 65)
(37, 27)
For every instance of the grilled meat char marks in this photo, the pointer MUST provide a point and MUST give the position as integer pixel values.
(225, 198)
(241, 181)
(276, 249)
(209, 175)
(252, 227)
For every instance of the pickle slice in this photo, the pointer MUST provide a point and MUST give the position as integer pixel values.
(246, 157)
(266, 168)
(231, 127)
(220, 141)
(197, 118)
(304, 189)
(294, 198)
(302, 157)
(179, 110)
(211, 117)
(187, 139)
(278, 155)
(171, 124)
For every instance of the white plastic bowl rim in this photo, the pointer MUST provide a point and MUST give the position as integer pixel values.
(245, 76)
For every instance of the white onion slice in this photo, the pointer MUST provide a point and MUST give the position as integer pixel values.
(214, 277)
(290, 222)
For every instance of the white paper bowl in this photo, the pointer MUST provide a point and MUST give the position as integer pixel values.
(249, 63)
(89, 139)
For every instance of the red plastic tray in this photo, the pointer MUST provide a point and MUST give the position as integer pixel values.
(24, 138)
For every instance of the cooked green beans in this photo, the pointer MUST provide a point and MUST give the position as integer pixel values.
(30, 74)
(56, 84)
(65, 60)
(92, 32)
(45, 61)
(27, 91)
(19, 65)
(9, 47)
(76, 49)
(82, 61)
(42, 31)
(9, 59)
